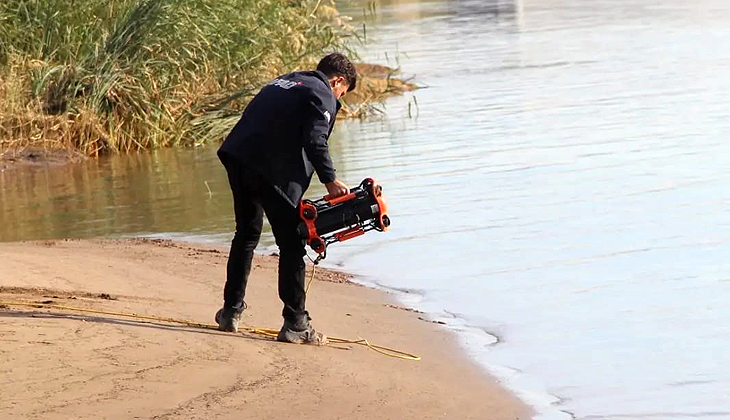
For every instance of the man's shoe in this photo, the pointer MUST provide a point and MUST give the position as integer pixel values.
(228, 319)
(301, 332)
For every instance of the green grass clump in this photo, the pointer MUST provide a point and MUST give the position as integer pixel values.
(119, 75)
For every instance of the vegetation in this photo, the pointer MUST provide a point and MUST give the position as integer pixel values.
(119, 75)
(375, 83)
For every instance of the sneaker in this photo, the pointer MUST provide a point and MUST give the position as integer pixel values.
(228, 319)
(301, 332)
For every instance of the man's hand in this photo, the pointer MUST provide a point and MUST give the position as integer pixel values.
(336, 189)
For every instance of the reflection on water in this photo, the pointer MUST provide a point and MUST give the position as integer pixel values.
(564, 186)
(182, 191)
(405, 10)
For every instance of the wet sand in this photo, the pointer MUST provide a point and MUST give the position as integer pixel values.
(57, 364)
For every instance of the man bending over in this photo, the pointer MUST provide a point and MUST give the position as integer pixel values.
(270, 156)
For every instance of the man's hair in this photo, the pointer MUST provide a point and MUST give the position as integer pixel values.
(336, 64)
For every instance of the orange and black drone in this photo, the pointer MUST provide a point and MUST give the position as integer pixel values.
(325, 221)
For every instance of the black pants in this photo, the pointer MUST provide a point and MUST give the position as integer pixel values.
(252, 197)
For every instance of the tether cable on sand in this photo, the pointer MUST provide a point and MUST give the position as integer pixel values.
(253, 330)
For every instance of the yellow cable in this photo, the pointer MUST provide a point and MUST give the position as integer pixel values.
(253, 330)
(311, 278)
(383, 350)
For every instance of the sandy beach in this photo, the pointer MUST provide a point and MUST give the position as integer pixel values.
(58, 364)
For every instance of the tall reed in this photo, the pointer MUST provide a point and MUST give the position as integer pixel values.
(118, 75)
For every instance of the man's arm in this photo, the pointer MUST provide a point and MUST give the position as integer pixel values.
(314, 138)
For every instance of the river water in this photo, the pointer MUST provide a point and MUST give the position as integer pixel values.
(558, 191)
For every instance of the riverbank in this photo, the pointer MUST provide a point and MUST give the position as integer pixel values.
(36, 156)
(118, 76)
(376, 84)
(130, 75)
(62, 365)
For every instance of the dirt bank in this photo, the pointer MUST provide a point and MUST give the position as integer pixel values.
(34, 156)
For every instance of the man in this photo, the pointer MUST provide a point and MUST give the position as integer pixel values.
(270, 156)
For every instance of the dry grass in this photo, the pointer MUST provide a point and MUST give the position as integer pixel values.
(100, 75)
(375, 84)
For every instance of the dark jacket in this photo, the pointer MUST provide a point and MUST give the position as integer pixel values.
(283, 133)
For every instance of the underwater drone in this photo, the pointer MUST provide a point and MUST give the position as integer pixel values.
(325, 221)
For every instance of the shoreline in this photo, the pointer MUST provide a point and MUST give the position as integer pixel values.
(376, 84)
(542, 403)
(37, 157)
(150, 363)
